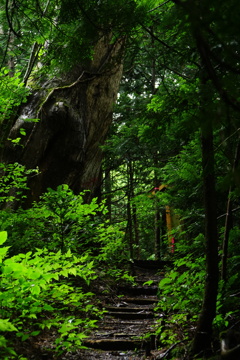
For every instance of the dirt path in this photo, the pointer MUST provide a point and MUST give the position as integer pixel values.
(130, 317)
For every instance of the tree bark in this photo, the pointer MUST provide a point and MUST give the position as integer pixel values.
(74, 118)
(157, 230)
(130, 212)
(202, 340)
(129, 227)
(108, 190)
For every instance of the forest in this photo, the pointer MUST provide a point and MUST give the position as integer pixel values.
(119, 145)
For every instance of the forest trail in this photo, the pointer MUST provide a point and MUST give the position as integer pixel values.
(129, 318)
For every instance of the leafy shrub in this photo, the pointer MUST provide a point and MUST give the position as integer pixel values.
(181, 292)
(13, 182)
(36, 294)
(62, 221)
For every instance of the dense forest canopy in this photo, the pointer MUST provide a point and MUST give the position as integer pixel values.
(120, 141)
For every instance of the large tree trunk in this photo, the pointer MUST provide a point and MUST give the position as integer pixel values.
(75, 116)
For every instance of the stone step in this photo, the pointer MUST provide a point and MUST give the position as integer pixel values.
(113, 344)
(152, 264)
(111, 323)
(120, 344)
(114, 334)
(137, 308)
(141, 300)
(139, 290)
(132, 315)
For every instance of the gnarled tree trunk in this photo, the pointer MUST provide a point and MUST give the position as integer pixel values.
(74, 118)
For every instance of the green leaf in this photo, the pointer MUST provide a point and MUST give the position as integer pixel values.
(149, 282)
(73, 271)
(32, 316)
(3, 252)
(35, 289)
(3, 342)
(35, 333)
(48, 307)
(22, 132)
(5, 325)
(34, 275)
(3, 237)
(165, 281)
(65, 273)
(25, 337)
(31, 120)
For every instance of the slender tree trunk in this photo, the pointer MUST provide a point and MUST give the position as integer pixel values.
(136, 230)
(157, 235)
(74, 117)
(202, 340)
(228, 220)
(108, 189)
(227, 228)
(129, 230)
(134, 211)
(157, 217)
(132, 215)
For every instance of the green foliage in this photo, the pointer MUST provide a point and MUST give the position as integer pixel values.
(13, 182)
(63, 32)
(178, 101)
(37, 295)
(180, 291)
(62, 221)
(146, 208)
(228, 298)
(113, 249)
(183, 174)
(13, 93)
(67, 219)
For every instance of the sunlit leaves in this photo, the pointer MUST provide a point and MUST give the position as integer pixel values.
(13, 181)
(34, 297)
(3, 237)
(12, 93)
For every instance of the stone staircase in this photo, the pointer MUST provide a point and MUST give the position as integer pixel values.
(129, 318)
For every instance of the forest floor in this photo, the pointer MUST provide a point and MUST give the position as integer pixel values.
(126, 331)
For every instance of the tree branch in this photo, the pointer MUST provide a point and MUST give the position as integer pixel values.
(10, 20)
(150, 32)
(204, 52)
(157, 7)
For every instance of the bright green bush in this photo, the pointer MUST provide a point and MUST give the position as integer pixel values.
(36, 294)
(62, 221)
